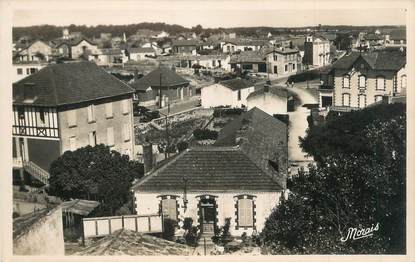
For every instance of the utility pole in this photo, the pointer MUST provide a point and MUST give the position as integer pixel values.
(166, 155)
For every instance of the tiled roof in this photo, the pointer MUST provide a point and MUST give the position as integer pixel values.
(186, 43)
(160, 77)
(379, 60)
(236, 84)
(141, 50)
(248, 57)
(208, 168)
(273, 90)
(68, 83)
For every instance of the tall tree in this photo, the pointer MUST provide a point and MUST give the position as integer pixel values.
(95, 173)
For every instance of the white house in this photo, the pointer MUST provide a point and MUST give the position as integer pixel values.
(24, 69)
(82, 46)
(141, 53)
(232, 92)
(271, 100)
(229, 180)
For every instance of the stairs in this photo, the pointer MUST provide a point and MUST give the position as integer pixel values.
(37, 172)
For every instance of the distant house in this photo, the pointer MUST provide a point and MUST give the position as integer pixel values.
(162, 86)
(396, 38)
(141, 53)
(316, 51)
(75, 47)
(240, 45)
(67, 106)
(185, 46)
(359, 79)
(35, 51)
(271, 100)
(152, 45)
(23, 69)
(108, 57)
(252, 61)
(232, 92)
(241, 177)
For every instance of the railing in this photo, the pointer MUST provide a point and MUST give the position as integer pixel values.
(102, 226)
(36, 171)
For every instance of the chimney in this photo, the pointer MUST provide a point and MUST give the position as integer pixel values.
(147, 156)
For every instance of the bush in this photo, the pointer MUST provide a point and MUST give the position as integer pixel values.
(218, 112)
(169, 226)
(222, 235)
(181, 146)
(202, 134)
(192, 237)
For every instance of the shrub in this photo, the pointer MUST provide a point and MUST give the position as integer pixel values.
(169, 226)
(201, 134)
(227, 111)
(181, 146)
(222, 235)
(192, 236)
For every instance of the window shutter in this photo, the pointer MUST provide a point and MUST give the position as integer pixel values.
(72, 118)
(108, 110)
(110, 136)
(72, 143)
(245, 213)
(91, 113)
(126, 131)
(125, 106)
(91, 136)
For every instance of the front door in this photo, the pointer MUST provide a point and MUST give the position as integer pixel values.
(207, 215)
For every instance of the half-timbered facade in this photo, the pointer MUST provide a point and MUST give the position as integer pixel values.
(65, 107)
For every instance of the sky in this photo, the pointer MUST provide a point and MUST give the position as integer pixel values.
(207, 15)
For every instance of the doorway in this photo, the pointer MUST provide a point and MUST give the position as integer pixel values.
(207, 211)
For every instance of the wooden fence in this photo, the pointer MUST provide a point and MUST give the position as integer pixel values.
(102, 226)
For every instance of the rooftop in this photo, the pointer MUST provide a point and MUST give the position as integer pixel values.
(273, 90)
(236, 84)
(377, 60)
(68, 83)
(160, 77)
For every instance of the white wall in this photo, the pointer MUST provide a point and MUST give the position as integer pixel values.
(219, 95)
(148, 203)
(269, 103)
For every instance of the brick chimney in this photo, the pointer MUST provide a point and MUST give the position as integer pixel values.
(147, 156)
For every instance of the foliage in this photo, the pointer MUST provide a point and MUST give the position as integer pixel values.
(191, 234)
(222, 235)
(95, 173)
(348, 189)
(169, 228)
(201, 134)
(218, 112)
(181, 146)
(345, 134)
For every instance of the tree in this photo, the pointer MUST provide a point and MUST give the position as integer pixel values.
(197, 29)
(95, 173)
(348, 189)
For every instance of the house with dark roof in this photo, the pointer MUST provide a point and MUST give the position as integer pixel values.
(67, 106)
(240, 177)
(270, 99)
(74, 47)
(108, 57)
(359, 79)
(232, 92)
(186, 46)
(35, 51)
(162, 86)
(396, 38)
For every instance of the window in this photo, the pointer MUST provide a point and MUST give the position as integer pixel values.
(110, 136)
(346, 81)
(169, 208)
(125, 106)
(362, 81)
(27, 71)
(286, 68)
(361, 101)
(293, 67)
(403, 81)
(72, 118)
(33, 70)
(275, 57)
(108, 110)
(92, 138)
(275, 69)
(20, 71)
(380, 83)
(126, 132)
(213, 63)
(245, 213)
(91, 113)
(72, 143)
(378, 98)
(346, 100)
(239, 95)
